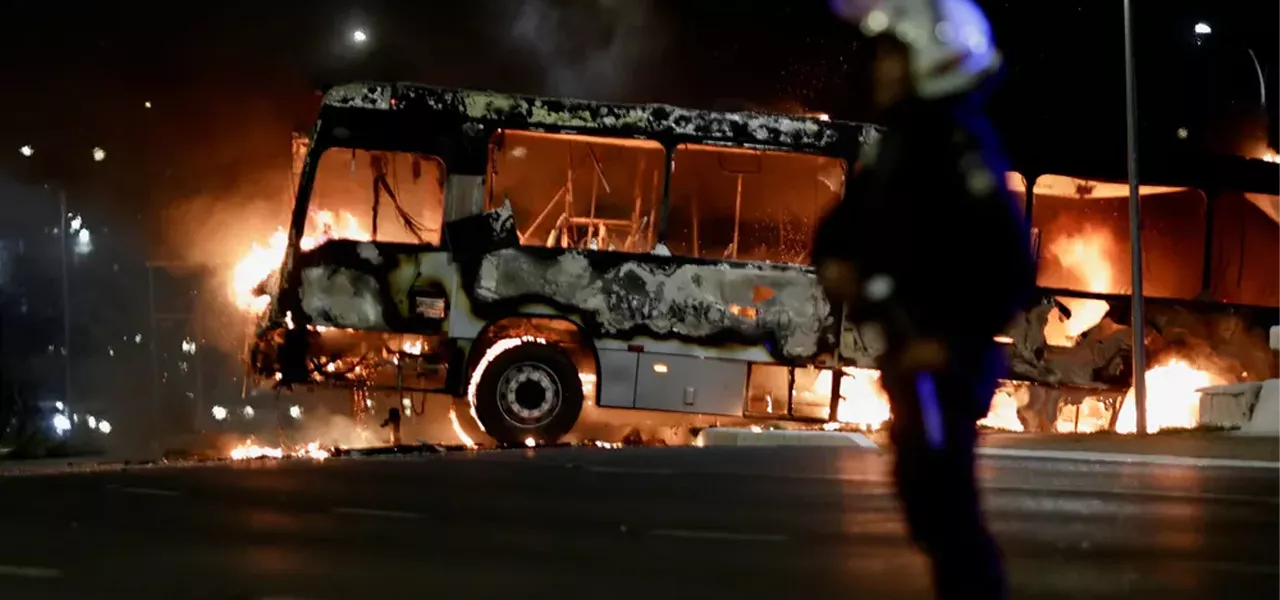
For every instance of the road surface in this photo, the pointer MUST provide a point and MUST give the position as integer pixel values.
(633, 523)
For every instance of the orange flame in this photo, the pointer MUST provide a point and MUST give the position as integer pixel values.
(1172, 399)
(1086, 258)
(262, 260)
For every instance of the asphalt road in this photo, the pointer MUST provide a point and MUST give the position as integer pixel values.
(635, 523)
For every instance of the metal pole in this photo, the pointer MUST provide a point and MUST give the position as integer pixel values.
(66, 299)
(155, 359)
(1135, 230)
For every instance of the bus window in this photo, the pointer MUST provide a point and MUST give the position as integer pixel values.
(736, 204)
(382, 196)
(573, 191)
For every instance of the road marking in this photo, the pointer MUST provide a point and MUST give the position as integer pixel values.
(1115, 457)
(634, 470)
(373, 512)
(144, 491)
(1210, 496)
(32, 572)
(719, 535)
(1235, 567)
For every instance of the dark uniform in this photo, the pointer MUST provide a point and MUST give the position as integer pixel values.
(929, 212)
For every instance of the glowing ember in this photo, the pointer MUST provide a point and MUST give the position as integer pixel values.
(1085, 257)
(1004, 411)
(1172, 399)
(261, 261)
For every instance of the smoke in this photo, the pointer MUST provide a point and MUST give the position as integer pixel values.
(594, 49)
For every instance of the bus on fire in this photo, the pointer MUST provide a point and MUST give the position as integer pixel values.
(535, 254)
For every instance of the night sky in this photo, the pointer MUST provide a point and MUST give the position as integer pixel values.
(229, 80)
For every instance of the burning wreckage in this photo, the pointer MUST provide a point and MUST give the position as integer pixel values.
(533, 255)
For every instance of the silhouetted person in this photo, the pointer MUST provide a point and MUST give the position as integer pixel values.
(393, 421)
(929, 252)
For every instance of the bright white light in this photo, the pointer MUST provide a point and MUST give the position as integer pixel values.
(93, 422)
(146, 104)
(99, 154)
(248, 412)
(76, 223)
(188, 346)
(295, 411)
(1183, 133)
(27, 150)
(61, 423)
(359, 36)
(219, 413)
(104, 426)
(1203, 28)
(59, 405)
(84, 243)
(530, 442)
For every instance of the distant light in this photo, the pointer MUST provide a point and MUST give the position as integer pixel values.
(61, 423)
(248, 412)
(104, 426)
(530, 442)
(76, 223)
(188, 346)
(93, 422)
(219, 413)
(146, 104)
(1203, 28)
(59, 405)
(27, 150)
(84, 243)
(295, 411)
(359, 36)
(824, 117)
(1183, 133)
(99, 154)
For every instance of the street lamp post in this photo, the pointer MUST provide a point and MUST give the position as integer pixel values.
(1135, 230)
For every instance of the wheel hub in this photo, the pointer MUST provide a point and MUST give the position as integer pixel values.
(529, 394)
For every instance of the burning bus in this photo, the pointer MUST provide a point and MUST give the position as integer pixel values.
(537, 255)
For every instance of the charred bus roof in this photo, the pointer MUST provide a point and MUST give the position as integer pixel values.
(396, 106)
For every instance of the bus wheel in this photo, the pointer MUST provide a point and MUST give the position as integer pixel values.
(529, 392)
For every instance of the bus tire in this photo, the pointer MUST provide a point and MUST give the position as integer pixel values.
(531, 391)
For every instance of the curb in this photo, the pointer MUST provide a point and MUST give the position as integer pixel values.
(741, 436)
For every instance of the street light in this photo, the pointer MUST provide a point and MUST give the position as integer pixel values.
(99, 154)
(359, 36)
(26, 151)
(1202, 29)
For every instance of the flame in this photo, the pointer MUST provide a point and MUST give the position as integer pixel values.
(1004, 411)
(414, 346)
(862, 401)
(1090, 416)
(262, 260)
(457, 429)
(249, 450)
(1086, 257)
(1172, 399)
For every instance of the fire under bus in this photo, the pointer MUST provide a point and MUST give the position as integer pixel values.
(532, 257)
